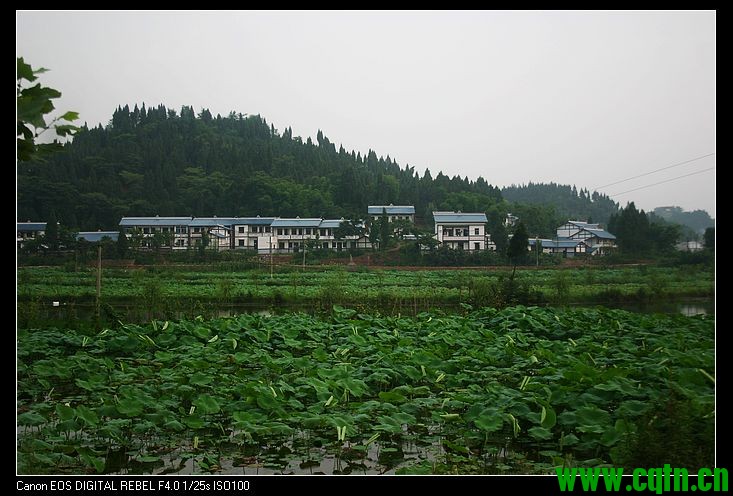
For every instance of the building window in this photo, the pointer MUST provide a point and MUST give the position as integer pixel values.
(146, 230)
(307, 231)
(290, 246)
(267, 229)
(281, 245)
(279, 232)
(287, 232)
(325, 246)
(240, 230)
(241, 242)
(477, 246)
(333, 245)
(476, 231)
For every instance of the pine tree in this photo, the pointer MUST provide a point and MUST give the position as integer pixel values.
(52, 232)
(122, 244)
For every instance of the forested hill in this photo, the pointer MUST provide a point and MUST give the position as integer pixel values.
(567, 200)
(697, 220)
(156, 161)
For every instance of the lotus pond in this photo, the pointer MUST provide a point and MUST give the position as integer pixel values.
(517, 390)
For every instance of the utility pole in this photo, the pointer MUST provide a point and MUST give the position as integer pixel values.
(537, 247)
(99, 278)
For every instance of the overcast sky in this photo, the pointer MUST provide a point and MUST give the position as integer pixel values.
(584, 98)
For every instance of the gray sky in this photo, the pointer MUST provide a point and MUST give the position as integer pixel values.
(585, 98)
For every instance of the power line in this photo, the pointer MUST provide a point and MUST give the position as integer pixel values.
(656, 170)
(662, 182)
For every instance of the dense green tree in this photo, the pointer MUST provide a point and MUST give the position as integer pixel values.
(631, 228)
(517, 251)
(153, 161)
(122, 244)
(497, 230)
(51, 235)
(640, 234)
(567, 200)
(697, 220)
(384, 230)
(348, 228)
(709, 238)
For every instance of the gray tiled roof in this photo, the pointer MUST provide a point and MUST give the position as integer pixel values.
(583, 225)
(330, 223)
(601, 233)
(556, 243)
(253, 221)
(296, 222)
(155, 221)
(31, 226)
(211, 221)
(391, 209)
(96, 236)
(459, 218)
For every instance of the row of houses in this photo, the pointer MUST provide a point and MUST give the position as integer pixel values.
(575, 238)
(266, 235)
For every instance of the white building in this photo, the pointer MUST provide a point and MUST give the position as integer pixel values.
(462, 231)
(29, 230)
(577, 237)
(394, 212)
(147, 227)
(253, 233)
(689, 246)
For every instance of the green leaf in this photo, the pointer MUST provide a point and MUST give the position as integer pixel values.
(24, 71)
(148, 459)
(489, 420)
(200, 379)
(392, 397)
(64, 412)
(31, 418)
(70, 116)
(207, 404)
(130, 407)
(87, 415)
(548, 418)
(540, 433)
(174, 425)
(194, 422)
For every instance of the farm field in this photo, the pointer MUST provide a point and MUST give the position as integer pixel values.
(516, 390)
(378, 288)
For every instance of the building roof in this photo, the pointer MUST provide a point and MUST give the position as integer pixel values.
(96, 236)
(253, 221)
(583, 225)
(600, 233)
(459, 218)
(556, 243)
(331, 223)
(312, 222)
(391, 209)
(155, 221)
(211, 221)
(31, 226)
